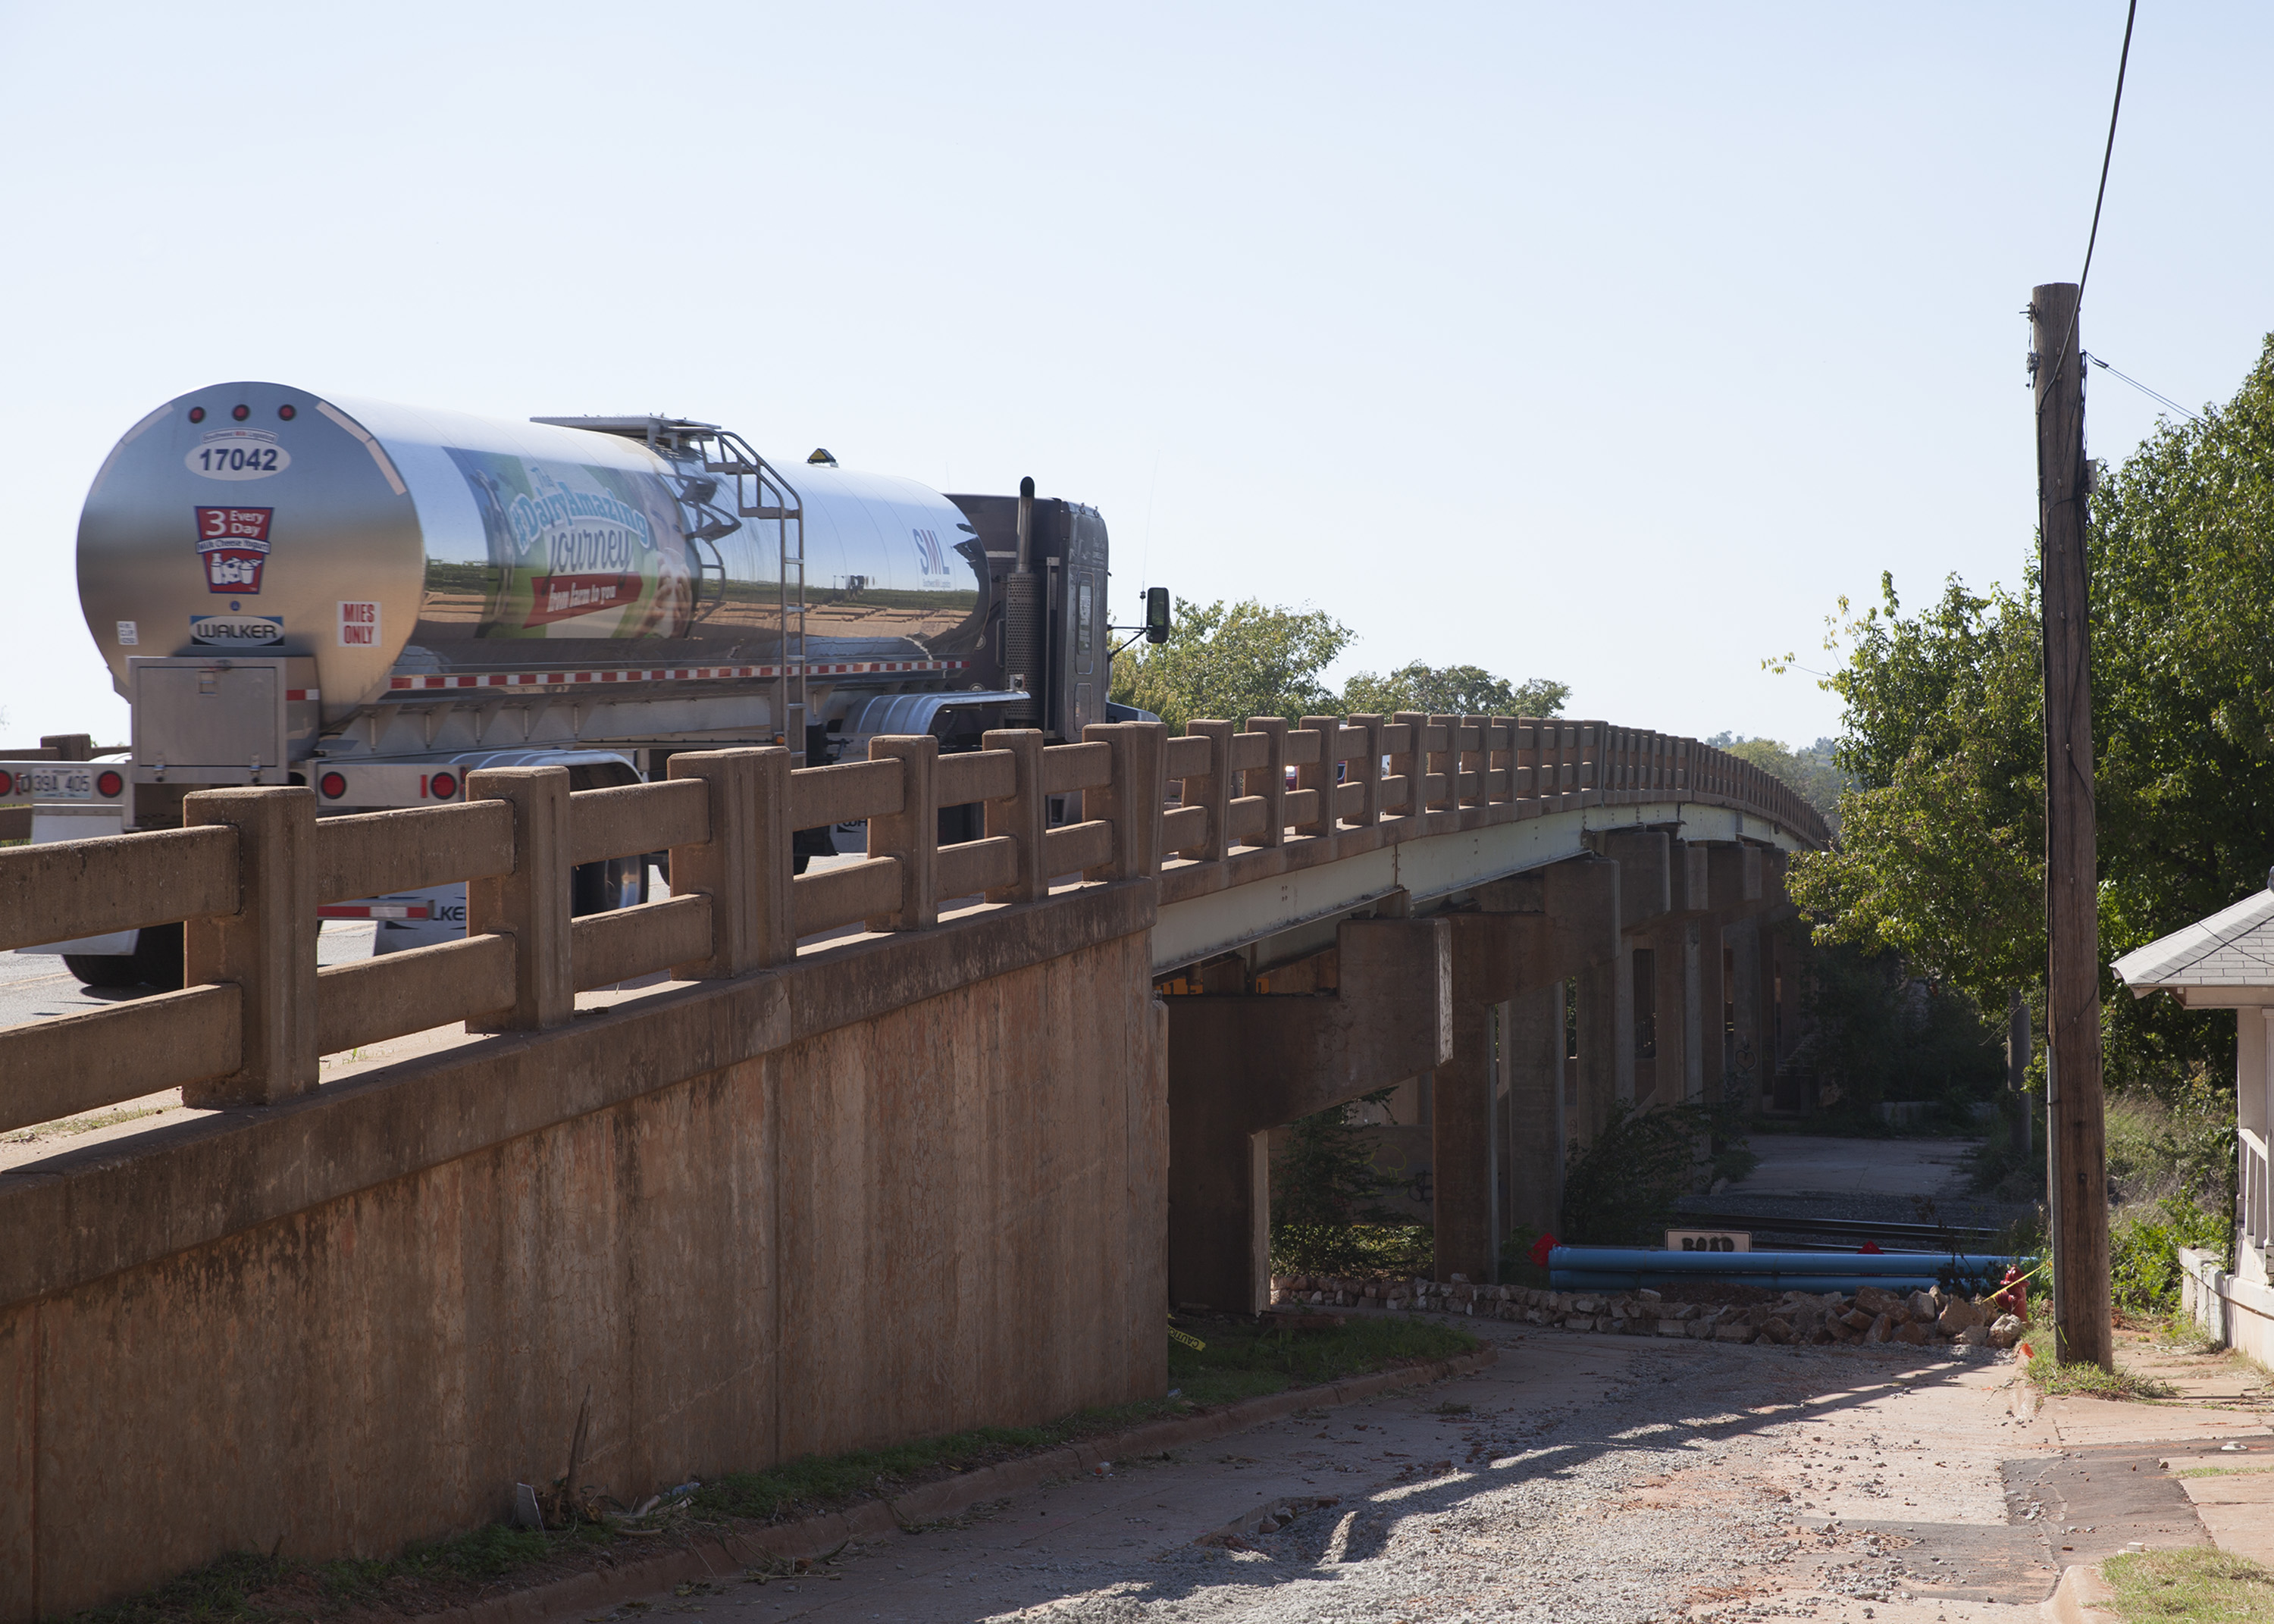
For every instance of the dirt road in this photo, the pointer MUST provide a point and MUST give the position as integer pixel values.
(1581, 1478)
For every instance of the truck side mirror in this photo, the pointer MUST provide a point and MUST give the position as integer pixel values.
(1157, 614)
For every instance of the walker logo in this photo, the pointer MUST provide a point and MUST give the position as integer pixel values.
(236, 630)
(233, 544)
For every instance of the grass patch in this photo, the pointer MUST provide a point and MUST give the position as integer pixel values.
(247, 1588)
(2194, 1586)
(80, 1125)
(2083, 1380)
(2222, 1471)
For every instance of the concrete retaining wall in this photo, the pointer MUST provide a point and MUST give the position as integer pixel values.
(2231, 1309)
(902, 1188)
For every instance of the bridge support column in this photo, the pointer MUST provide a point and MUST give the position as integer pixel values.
(1241, 1065)
(1534, 1132)
(1532, 933)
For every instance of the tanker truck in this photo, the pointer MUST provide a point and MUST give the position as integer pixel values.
(374, 600)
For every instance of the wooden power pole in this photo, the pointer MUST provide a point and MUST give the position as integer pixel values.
(2075, 1133)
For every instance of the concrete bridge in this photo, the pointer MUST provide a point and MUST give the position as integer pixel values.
(925, 1141)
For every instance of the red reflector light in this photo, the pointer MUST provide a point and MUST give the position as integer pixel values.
(287, 413)
(109, 784)
(445, 785)
(333, 785)
(7, 783)
(197, 414)
(240, 412)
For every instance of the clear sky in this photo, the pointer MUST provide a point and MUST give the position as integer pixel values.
(1609, 344)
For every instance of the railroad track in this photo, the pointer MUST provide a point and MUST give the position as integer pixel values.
(1896, 1237)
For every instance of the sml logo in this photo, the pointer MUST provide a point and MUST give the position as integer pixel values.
(931, 558)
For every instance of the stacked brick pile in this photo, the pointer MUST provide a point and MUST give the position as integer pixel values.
(1869, 1315)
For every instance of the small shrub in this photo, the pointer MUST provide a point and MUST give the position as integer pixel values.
(1620, 1190)
(2143, 1242)
(1326, 1197)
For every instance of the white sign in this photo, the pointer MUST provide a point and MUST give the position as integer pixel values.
(1709, 1240)
(237, 453)
(129, 634)
(359, 625)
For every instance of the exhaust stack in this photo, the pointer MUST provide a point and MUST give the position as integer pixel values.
(1023, 621)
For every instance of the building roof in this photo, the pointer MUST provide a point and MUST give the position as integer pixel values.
(2231, 951)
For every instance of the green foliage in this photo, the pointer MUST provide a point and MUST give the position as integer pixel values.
(1451, 690)
(1941, 840)
(1233, 661)
(2143, 1242)
(1259, 1356)
(1883, 1036)
(2181, 1145)
(1325, 1193)
(1812, 771)
(1620, 1190)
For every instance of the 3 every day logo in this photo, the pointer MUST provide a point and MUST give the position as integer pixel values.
(233, 546)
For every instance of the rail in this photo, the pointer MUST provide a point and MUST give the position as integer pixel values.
(250, 867)
(2252, 1187)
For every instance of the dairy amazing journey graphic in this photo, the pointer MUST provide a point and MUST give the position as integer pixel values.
(577, 551)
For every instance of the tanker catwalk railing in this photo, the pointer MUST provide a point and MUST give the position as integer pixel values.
(248, 871)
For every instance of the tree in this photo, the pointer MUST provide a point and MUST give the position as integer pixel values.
(1811, 771)
(1940, 856)
(1942, 839)
(1232, 662)
(1325, 1190)
(1451, 690)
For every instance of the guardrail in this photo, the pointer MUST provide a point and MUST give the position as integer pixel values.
(248, 871)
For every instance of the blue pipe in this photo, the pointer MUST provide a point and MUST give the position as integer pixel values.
(1846, 1285)
(1614, 1268)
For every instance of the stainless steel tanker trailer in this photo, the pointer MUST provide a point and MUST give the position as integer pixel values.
(374, 599)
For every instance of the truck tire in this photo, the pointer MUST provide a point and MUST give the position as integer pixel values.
(102, 969)
(158, 957)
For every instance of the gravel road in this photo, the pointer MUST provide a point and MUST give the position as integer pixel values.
(1581, 1477)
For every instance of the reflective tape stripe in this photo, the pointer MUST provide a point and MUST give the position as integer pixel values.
(681, 674)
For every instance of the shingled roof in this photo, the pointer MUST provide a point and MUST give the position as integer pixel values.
(2229, 954)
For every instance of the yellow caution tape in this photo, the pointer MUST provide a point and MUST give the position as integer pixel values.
(1189, 1341)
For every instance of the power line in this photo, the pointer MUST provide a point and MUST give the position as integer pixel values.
(2143, 389)
(2060, 355)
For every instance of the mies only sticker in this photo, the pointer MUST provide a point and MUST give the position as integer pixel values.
(240, 631)
(233, 545)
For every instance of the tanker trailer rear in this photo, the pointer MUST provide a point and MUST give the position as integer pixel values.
(373, 599)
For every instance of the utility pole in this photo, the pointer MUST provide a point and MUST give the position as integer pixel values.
(2075, 1132)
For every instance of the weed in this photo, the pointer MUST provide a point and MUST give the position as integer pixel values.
(2144, 1243)
(2192, 1586)
(1621, 1190)
(1325, 1191)
(81, 1125)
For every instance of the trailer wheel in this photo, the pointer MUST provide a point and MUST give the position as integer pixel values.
(102, 969)
(158, 957)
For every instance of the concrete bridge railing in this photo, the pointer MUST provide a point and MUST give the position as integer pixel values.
(250, 867)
